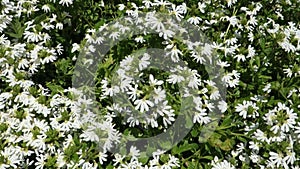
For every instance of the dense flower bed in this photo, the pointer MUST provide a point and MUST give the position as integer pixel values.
(241, 76)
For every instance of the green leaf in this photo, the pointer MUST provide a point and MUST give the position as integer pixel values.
(188, 122)
(54, 88)
(110, 166)
(16, 29)
(242, 139)
(227, 145)
(144, 160)
(264, 77)
(185, 147)
(227, 121)
(131, 138)
(166, 145)
(40, 18)
(207, 157)
(99, 24)
(194, 133)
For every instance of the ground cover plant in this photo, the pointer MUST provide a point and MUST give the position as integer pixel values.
(149, 84)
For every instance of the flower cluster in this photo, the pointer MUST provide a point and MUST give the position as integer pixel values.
(249, 48)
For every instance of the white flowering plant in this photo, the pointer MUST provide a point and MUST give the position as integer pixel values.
(149, 84)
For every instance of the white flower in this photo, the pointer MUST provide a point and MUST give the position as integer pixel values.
(154, 23)
(59, 49)
(215, 94)
(46, 8)
(66, 2)
(194, 20)
(288, 72)
(125, 83)
(194, 81)
(147, 3)
(252, 20)
(99, 40)
(126, 63)
(223, 64)
(173, 161)
(134, 92)
(144, 62)
(290, 157)
(87, 165)
(251, 51)
(60, 162)
(222, 105)
(231, 2)
(232, 20)
(281, 118)
(201, 6)
(48, 59)
(290, 121)
(3, 39)
(41, 161)
(166, 33)
(114, 35)
(201, 117)
(287, 46)
(242, 109)
(197, 57)
(134, 152)
(261, 136)
(143, 105)
(75, 47)
(168, 117)
(152, 122)
(118, 158)
(133, 121)
(121, 7)
(250, 36)
(221, 165)
(59, 26)
(277, 159)
(32, 36)
(207, 50)
(254, 145)
(39, 143)
(175, 79)
(89, 136)
(254, 157)
(231, 41)
(161, 3)
(154, 82)
(159, 95)
(110, 91)
(178, 11)
(247, 109)
(267, 88)
(140, 39)
(297, 129)
(102, 3)
(102, 157)
(175, 53)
